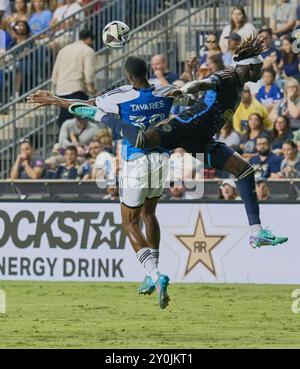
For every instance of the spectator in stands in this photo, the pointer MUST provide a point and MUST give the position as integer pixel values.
(21, 14)
(68, 170)
(229, 136)
(262, 190)
(74, 72)
(40, 17)
(162, 75)
(95, 148)
(248, 106)
(27, 166)
(290, 63)
(56, 158)
(104, 135)
(53, 4)
(104, 168)
(266, 164)
(254, 131)
(234, 39)
(21, 34)
(290, 165)
(96, 166)
(269, 94)
(289, 106)
(284, 18)
(2, 43)
(203, 72)
(296, 138)
(212, 47)
(70, 8)
(215, 63)
(239, 24)
(24, 70)
(5, 9)
(228, 190)
(67, 10)
(281, 133)
(6, 39)
(112, 193)
(78, 132)
(177, 191)
(271, 55)
(28, 56)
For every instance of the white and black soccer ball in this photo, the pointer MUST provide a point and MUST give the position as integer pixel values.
(116, 34)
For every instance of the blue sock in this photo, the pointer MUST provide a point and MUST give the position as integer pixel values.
(247, 190)
(122, 128)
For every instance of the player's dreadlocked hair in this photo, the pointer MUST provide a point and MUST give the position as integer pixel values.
(249, 48)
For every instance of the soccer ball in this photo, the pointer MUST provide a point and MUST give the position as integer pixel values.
(116, 34)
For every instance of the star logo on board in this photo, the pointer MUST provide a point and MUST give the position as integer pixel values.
(200, 246)
(109, 232)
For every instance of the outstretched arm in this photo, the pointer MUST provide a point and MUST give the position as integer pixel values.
(46, 98)
(181, 97)
(197, 86)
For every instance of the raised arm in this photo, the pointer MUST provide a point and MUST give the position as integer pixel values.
(46, 98)
(197, 86)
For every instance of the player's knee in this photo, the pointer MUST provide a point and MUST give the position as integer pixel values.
(149, 216)
(246, 171)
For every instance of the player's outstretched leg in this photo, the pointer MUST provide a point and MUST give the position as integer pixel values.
(225, 158)
(124, 129)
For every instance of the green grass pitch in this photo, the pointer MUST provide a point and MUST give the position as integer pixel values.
(112, 315)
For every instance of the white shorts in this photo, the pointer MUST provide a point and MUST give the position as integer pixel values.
(143, 178)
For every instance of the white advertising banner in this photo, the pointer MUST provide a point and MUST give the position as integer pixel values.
(199, 243)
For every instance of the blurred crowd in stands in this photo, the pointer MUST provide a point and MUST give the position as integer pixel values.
(264, 129)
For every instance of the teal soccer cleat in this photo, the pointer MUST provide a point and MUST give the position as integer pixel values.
(147, 286)
(83, 110)
(161, 288)
(266, 238)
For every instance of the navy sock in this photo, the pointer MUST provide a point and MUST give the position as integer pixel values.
(121, 128)
(247, 190)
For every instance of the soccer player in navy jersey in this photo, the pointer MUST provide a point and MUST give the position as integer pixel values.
(194, 129)
(144, 170)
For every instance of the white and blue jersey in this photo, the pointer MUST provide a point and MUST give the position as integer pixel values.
(141, 107)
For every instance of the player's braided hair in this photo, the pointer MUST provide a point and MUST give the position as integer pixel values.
(249, 48)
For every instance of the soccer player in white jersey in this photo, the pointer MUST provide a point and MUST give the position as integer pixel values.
(143, 171)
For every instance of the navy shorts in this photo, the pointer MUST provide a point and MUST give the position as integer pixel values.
(193, 137)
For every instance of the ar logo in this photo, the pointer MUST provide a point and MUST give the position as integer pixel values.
(200, 246)
(2, 302)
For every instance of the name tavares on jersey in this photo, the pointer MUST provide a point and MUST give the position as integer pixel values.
(151, 106)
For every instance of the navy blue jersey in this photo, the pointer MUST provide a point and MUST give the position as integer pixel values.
(141, 107)
(216, 106)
